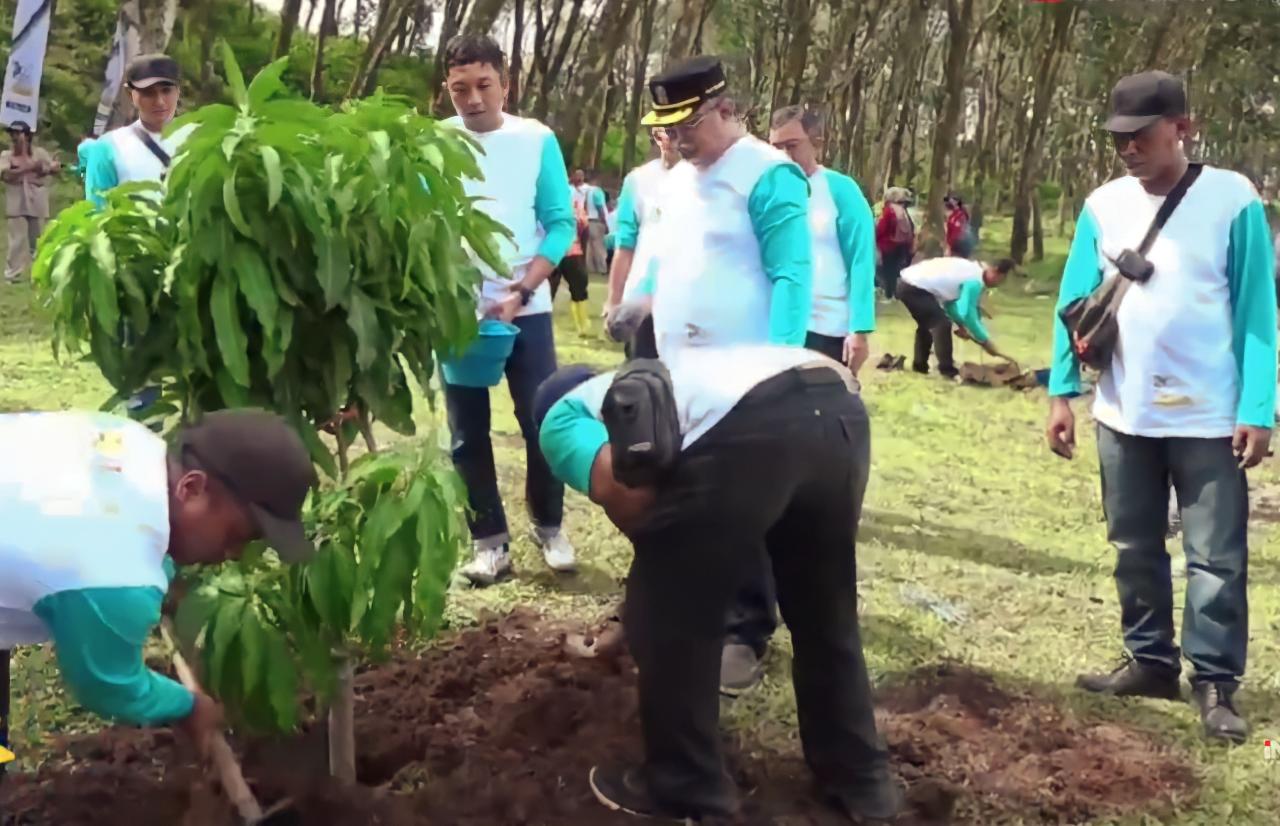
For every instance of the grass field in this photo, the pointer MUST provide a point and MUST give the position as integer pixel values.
(966, 506)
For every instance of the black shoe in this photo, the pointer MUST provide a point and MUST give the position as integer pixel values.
(623, 789)
(1133, 678)
(1218, 712)
(740, 669)
(898, 363)
(883, 800)
(885, 363)
(922, 369)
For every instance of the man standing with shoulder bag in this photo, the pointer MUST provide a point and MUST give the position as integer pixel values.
(1169, 291)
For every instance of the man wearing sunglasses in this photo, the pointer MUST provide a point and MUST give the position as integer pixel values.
(97, 509)
(1188, 397)
(733, 265)
(139, 151)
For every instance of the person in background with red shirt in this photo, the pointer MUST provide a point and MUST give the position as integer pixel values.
(895, 239)
(959, 236)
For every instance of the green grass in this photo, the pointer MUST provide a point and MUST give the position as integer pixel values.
(965, 501)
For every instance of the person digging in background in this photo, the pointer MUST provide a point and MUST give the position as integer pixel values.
(96, 509)
(698, 528)
(26, 170)
(844, 244)
(895, 239)
(734, 265)
(941, 291)
(1187, 396)
(525, 188)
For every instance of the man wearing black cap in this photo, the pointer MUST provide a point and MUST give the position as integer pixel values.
(95, 511)
(732, 265)
(139, 151)
(1188, 396)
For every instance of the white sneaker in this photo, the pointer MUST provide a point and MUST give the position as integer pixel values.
(488, 566)
(557, 551)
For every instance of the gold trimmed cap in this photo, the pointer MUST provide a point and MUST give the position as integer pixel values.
(680, 90)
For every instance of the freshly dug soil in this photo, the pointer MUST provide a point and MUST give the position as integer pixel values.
(500, 725)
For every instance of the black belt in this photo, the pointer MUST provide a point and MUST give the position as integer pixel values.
(814, 380)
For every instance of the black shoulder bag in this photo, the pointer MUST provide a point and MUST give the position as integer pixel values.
(639, 411)
(1091, 321)
(155, 148)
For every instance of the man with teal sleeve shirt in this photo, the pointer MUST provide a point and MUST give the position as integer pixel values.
(1188, 398)
(939, 292)
(844, 243)
(526, 189)
(733, 265)
(96, 509)
(697, 530)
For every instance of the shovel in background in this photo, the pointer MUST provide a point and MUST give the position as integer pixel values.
(224, 761)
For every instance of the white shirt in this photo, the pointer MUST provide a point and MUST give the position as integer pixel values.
(84, 503)
(1174, 371)
(134, 161)
(830, 314)
(943, 277)
(649, 188)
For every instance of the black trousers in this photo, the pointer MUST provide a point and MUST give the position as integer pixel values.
(892, 264)
(710, 520)
(573, 269)
(830, 346)
(933, 329)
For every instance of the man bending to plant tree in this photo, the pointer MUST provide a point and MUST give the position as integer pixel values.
(525, 187)
(699, 517)
(96, 509)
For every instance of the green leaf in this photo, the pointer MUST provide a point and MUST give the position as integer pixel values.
(232, 342)
(335, 269)
(275, 178)
(226, 625)
(106, 304)
(319, 451)
(231, 201)
(363, 320)
(266, 84)
(234, 77)
(252, 648)
(282, 680)
(321, 588)
(193, 614)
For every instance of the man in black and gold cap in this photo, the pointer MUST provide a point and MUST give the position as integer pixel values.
(732, 265)
(96, 512)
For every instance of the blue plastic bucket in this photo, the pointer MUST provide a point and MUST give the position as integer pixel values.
(483, 363)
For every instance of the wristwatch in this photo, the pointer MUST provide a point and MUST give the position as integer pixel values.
(525, 295)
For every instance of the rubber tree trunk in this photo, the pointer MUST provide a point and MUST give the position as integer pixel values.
(615, 22)
(910, 38)
(392, 13)
(960, 20)
(547, 79)
(517, 58)
(638, 78)
(317, 68)
(288, 24)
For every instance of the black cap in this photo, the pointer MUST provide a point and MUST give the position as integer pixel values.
(680, 90)
(555, 387)
(1140, 100)
(19, 126)
(264, 464)
(147, 70)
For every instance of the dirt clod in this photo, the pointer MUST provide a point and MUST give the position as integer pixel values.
(501, 724)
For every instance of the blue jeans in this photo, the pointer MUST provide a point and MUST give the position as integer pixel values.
(1214, 498)
(532, 360)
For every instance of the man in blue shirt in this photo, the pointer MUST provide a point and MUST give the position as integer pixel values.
(698, 531)
(1187, 397)
(96, 509)
(526, 189)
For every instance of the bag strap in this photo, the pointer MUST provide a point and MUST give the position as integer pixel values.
(158, 151)
(1171, 202)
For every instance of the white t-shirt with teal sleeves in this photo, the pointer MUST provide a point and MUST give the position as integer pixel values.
(708, 383)
(1196, 353)
(84, 504)
(734, 261)
(120, 157)
(957, 284)
(844, 256)
(639, 215)
(525, 188)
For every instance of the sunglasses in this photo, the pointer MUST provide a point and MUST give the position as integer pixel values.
(1121, 140)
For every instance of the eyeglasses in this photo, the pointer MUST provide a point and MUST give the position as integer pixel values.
(688, 126)
(1121, 140)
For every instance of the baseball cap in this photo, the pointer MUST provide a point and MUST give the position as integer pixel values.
(262, 461)
(679, 91)
(1140, 100)
(147, 70)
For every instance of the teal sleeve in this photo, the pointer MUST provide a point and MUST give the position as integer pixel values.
(1081, 277)
(553, 203)
(1251, 276)
(779, 211)
(628, 231)
(856, 227)
(100, 171)
(570, 438)
(98, 636)
(597, 198)
(965, 310)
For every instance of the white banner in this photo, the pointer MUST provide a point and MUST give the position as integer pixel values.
(124, 48)
(20, 102)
